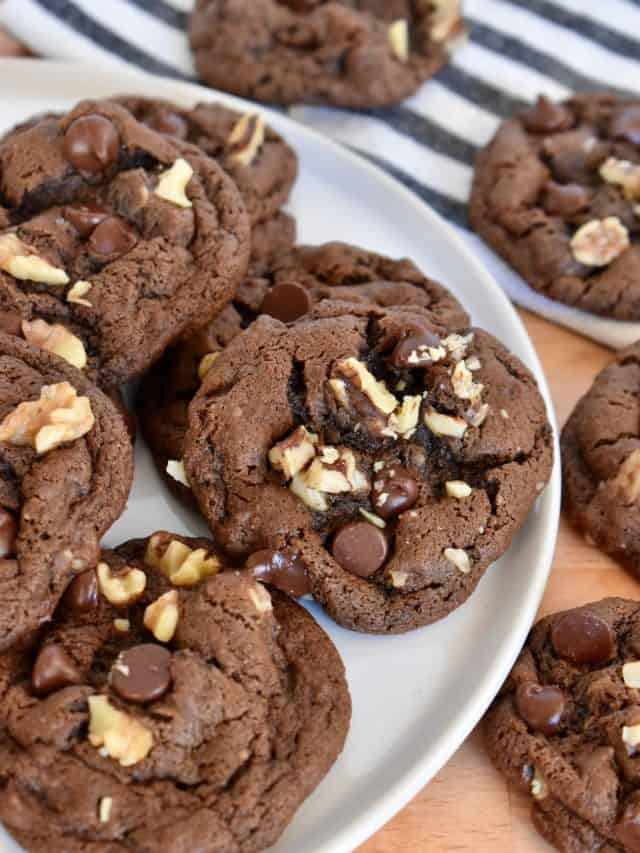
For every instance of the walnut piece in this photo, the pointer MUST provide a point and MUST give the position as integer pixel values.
(622, 173)
(176, 470)
(182, 565)
(260, 598)
(445, 425)
(404, 421)
(247, 138)
(104, 809)
(457, 345)
(372, 519)
(463, 385)
(600, 241)
(631, 738)
(398, 34)
(161, 617)
(356, 374)
(118, 735)
(398, 578)
(337, 476)
(58, 416)
(446, 19)
(22, 263)
(459, 558)
(477, 418)
(122, 625)
(123, 588)
(293, 453)
(631, 674)
(627, 480)
(206, 363)
(458, 489)
(79, 289)
(539, 788)
(56, 339)
(172, 183)
(310, 497)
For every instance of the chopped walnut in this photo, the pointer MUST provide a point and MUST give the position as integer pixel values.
(627, 480)
(358, 376)
(176, 470)
(404, 421)
(118, 735)
(247, 138)
(21, 262)
(56, 339)
(260, 598)
(622, 173)
(162, 616)
(372, 518)
(463, 385)
(104, 809)
(311, 498)
(631, 674)
(293, 453)
(457, 345)
(446, 20)
(459, 558)
(58, 416)
(338, 476)
(600, 241)
(539, 788)
(399, 39)
(123, 588)
(445, 425)
(182, 565)
(398, 579)
(458, 489)
(172, 183)
(477, 418)
(206, 363)
(78, 291)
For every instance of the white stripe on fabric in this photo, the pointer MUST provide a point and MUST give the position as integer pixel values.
(454, 113)
(617, 15)
(573, 50)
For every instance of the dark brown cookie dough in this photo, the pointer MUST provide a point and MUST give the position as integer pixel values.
(156, 716)
(104, 258)
(334, 279)
(566, 726)
(66, 466)
(601, 460)
(557, 192)
(353, 53)
(395, 460)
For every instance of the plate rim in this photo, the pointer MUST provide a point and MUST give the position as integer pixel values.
(425, 766)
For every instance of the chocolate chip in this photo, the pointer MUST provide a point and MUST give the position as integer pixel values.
(112, 237)
(91, 143)
(395, 490)
(10, 322)
(565, 199)
(626, 125)
(170, 123)
(81, 595)
(282, 569)
(142, 674)
(546, 116)
(8, 534)
(286, 302)
(627, 828)
(582, 637)
(540, 707)
(407, 351)
(53, 670)
(360, 548)
(84, 217)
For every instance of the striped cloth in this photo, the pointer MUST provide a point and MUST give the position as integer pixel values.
(516, 50)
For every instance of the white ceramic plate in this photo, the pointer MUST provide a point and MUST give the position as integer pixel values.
(417, 696)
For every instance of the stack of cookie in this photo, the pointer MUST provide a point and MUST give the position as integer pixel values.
(332, 413)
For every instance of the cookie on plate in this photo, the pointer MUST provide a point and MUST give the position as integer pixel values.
(601, 460)
(556, 194)
(65, 474)
(396, 460)
(335, 278)
(353, 53)
(566, 726)
(155, 714)
(114, 239)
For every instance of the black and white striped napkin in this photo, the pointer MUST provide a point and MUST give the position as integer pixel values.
(516, 49)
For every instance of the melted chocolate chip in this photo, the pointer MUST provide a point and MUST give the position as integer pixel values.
(53, 670)
(627, 828)
(142, 674)
(626, 125)
(112, 237)
(394, 491)
(582, 637)
(81, 595)
(565, 199)
(360, 548)
(91, 143)
(408, 351)
(84, 217)
(546, 116)
(286, 302)
(8, 534)
(170, 123)
(282, 569)
(540, 707)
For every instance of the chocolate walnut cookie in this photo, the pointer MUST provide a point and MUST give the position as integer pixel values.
(601, 460)
(394, 460)
(353, 53)
(557, 194)
(66, 467)
(114, 239)
(335, 278)
(168, 706)
(566, 726)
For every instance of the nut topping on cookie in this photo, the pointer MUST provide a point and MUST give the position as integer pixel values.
(53, 670)
(116, 734)
(77, 293)
(58, 416)
(404, 421)
(182, 565)
(399, 39)
(261, 598)
(294, 453)
(104, 809)
(631, 674)
(206, 363)
(123, 588)
(161, 617)
(631, 738)
(176, 470)
(172, 183)
(360, 548)
(55, 338)
(359, 381)
(445, 425)
(463, 385)
(541, 707)
(539, 788)
(627, 480)
(21, 262)
(600, 241)
(582, 637)
(457, 489)
(622, 173)
(459, 558)
(8, 534)
(91, 143)
(142, 674)
(247, 138)
(446, 20)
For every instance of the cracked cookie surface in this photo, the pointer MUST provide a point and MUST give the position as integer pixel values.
(395, 460)
(601, 460)
(557, 193)
(66, 470)
(330, 279)
(113, 739)
(115, 238)
(566, 726)
(353, 53)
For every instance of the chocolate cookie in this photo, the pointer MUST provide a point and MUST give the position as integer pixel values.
(335, 278)
(353, 53)
(601, 460)
(157, 714)
(396, 461)
(66, 466)
(114, 239)
(556, 194)
(566, 727)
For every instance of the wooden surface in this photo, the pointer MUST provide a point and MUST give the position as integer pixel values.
(468, 806)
